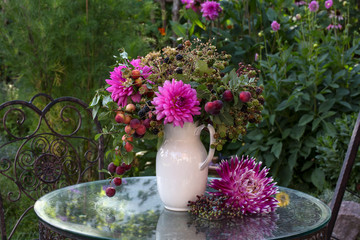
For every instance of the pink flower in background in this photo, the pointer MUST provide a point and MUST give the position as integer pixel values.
(328, 4)
(189, 3)
(275, 26)
(313, 6)
(211, 10)
(121, 88)
(245, 186)
(299, 3)
(176, 102)
(256, 57)
(336, 26)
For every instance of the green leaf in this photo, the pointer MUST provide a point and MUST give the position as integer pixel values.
(318, 178)
(276, 149)
(306, 165)
(297, 132)
(95, 111)
(227, 118)
(106, 100)
(269, 159)
(292, 160)
(255, 135)
(329, 128)
(95, 100)
(128, 157)
(271, 14)
(305, 119)
(320, 97)
(194, 18)
(178, 29)
(104, 171)
(282, 105)
(97, 136)
(326, 106)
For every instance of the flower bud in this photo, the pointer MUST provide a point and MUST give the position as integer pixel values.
(260, 34)
(298, 16)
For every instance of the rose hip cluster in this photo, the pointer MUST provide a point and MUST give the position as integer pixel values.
(116, 171)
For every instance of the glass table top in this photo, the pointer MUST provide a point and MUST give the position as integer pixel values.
(136, 212)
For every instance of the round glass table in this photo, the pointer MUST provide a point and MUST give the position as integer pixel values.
(83, 211)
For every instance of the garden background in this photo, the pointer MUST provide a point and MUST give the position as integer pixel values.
(309, 69)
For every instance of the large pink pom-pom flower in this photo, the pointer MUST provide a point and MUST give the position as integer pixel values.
(176, 102)
(210, 10)
(245, 187)
(122, 88)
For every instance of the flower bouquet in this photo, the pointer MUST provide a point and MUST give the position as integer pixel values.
(190, 83)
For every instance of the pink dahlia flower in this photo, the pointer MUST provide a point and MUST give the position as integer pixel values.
(176, 102)
(328, 4)
(210, 10)
(313, 6)
(275, 26)
(122, 88)
(245, 187)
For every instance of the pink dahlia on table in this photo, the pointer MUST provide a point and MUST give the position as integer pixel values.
(245, 187)
(122, 87)
(210, 10)
(176, 102)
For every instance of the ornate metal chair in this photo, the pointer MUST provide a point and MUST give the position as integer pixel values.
(42, 150)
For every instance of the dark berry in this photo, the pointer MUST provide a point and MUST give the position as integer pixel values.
(146, 109)
(141, 114)
(149, 103)
(126, 166)
(110, 191)
(137, 135)
(111, 168)
(117, 181)
(167, 60)
(179, 70)
(155, 131)
(180, 47)
(120, 170)
(179, 57)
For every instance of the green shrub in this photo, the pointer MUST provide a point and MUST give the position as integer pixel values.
(331, 152)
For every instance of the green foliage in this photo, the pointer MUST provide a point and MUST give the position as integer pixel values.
(63, 48)
(310, 76)
(331, 152)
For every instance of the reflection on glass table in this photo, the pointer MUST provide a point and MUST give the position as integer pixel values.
(83, 211)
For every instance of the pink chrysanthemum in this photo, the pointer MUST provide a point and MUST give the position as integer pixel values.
(328, 4)
(245, 186)
(275, 26)
(176, 102)
(121, 88)
(210, 10)
(313, 6)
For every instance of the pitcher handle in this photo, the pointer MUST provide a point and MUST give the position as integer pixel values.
(212, 140)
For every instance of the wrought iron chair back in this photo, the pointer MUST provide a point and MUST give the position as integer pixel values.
(43, 150)
(344, 176)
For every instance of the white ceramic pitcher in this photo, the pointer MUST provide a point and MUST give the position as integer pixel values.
(182, 165)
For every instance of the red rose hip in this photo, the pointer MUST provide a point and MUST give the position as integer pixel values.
(110, 191)
(117, 181)
(245, 96)
(228, 96)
